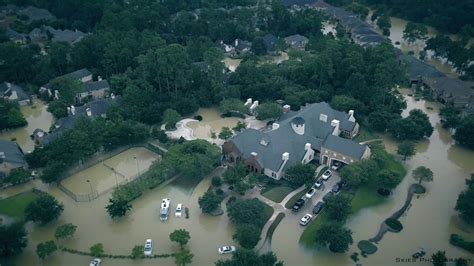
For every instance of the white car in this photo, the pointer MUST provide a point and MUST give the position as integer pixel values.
(95, 262)
(310, 193)
(226, 249)
(306, 219)
(318, 183)
(335, 166)
(179, 210)
(326, 175)
(148, 248)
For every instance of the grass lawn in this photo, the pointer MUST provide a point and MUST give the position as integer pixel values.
(274, 225)
(277, 194)
(268, 212)
(292, 201)
(365, 134)
(15, 206)
(365, 197)
(308, 236)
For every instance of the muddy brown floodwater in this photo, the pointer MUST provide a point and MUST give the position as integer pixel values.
(211, 122)
(37, 117)
(429, 221)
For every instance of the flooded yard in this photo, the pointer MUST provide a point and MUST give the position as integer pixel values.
(127, 165)
(37, 117)
(211, 122)
(231, 63)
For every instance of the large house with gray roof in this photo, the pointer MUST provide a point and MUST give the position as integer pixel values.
(11, 157)
(315, 133)
(14, 93)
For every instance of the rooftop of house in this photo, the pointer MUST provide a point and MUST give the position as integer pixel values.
(271, 144)
(77, 75)
(241, 45)
(35, 14)
(449, 86)
(288, 3)
(69, 36)
(10, 152)
(97, 108)
(14, 35)
(270, 41)
(296, 38)
(417, 68)
(97, 85)
(12, 92)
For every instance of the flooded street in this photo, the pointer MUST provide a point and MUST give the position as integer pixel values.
(428, 223)
(37, 117)
(211, 122)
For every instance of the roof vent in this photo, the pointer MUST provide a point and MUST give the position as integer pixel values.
(323, 117)
(285, 156)
(254, 154)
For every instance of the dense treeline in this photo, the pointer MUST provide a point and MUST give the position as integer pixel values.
(445, 15)
(10, 115)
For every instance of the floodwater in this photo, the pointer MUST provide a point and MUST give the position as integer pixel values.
(429, 221)
(231, 63)
(37, 117)
(128, 165)
(211, 122)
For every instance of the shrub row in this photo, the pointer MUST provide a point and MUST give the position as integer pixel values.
(111, 256)
(459, 241)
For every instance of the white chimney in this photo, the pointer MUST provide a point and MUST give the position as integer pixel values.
(307, 146)
(9, 85)
(88, 112)
(236, 42)
(285, 156)
(254, 154)
(248, 102)
(73, 110)
(323, 117)
(68, 110)
(112, 95)
(351, 116)
(56, 94)
(335, 124)
(275, 126)
(286, 108)
(40, 134)
(99, 78)
(254, 106)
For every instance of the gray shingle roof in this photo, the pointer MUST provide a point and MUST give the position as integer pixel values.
(270, 41)
(35, 14)
(288, 3)
(97, 85)
(449, 86)
(77, 75)
(344, 146)
(12, 152)
(13, 92)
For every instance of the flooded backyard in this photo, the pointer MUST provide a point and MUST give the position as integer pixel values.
(428, 223)
(115, 170)
(37, 117)
(211, 122)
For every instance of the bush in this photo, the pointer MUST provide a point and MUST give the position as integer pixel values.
(219, 192)
(216, 181)
(367, 247)
(394, 224)
(198, 117)
(419, 189)
(459, 241)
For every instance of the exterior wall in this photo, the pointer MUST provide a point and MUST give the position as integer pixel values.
(332, 155)
(6, 167)
(86, 78)
(355, 131)
(272, 174)
(309, 155)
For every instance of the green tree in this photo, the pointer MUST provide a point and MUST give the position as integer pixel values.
(68, 89)
(247, 235)
(414, 31)
(451, 116)
(180, 236)
(210, 201)
(383, 22)
(439, 258)
(45, 249)
(65, 231)
(381, 119)
(345, 103)
(13, 239)
(183, 257)
(259, 47)
(233, 105)
(414, 127)
(240, 126)
(247, 211)
(389, 179)
(268, 111)
(137, 252)
(465, 133)
(18, 176)
(336, 236)
(118, 207)
(250, 257)
(338, 207)
(299, 174)
(44, 209)
(171, 117)
(97, 250)
(216, 181)
(234, 175)
(225, 133)
(465, 202)
(406, 149)
(10, 115)
(461, 262)
(422, 174)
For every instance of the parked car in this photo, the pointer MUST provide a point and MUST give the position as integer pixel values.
(148, 248)
(325, 197)
(326, 175)
(179, 210)
(336, 166)
(95, 262)
(318, 207)
(298, 204)
(306, 219)
(336, 188)
(318, 183)
(226, 249)
(310, 193)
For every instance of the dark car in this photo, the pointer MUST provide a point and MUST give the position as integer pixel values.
(298, 204)
(336, 188)
(328, 195)
(318, 207)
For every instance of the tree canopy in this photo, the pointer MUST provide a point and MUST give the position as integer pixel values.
(465, 133)
(10, 115)
(334, 235)
(299, 174)
(423, 174)
(250, 257)
(180, 236)
(465, 202)
(12, 239)
(44, 209)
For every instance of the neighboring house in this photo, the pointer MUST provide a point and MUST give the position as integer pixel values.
(449, 90)
(45, 33)
(82, 75)
(14, 93)
(95, 89)
(468, 109)
(90, 110)
(38, 136)
(296, 41)
(291, 3)
(11, 157)
(16, 37)
(270, 43)
(241, 46)
(313, 133)
(35, 14)
(417, 69)
(228, 49)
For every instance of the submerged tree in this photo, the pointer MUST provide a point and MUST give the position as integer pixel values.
(423, 174)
